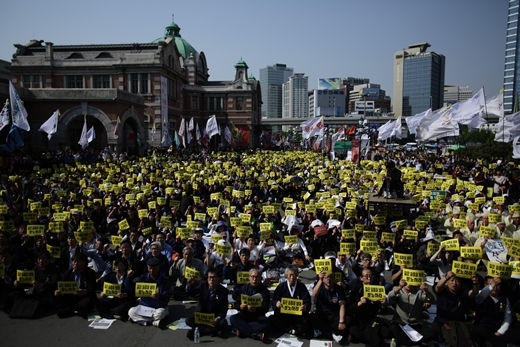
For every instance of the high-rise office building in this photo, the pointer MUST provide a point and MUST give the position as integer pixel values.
(454, 94)
(295, 97)
(418, 80)
(271, 80)
(511, 80)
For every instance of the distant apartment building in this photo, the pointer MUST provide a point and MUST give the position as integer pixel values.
(511, 78)
(454, 94)
(327, 102)
(295, 97)
(372, 95)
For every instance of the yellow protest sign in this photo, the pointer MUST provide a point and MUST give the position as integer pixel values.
(25, 276)
(31, 216)
(323, 265)
(413, 277)
(111, 289)
(204, 318)
(35, 229)
(59, 217)
(291, 239)
(144, 289)
(242, 277)
(459, 223)
(244, 231)
(68, 287)
(254, 301)
(116, 240)
(348, 233)
(514, 251)
(432, 247)
(245, 217)
(471, 252)
(223, 249)
(403, 259)
(152, 205)
(487, 231)
(81, 236)
(387, 237)
(499, 270)
(510, 241)
(291, 306)
(359, 227)
(463, 270)
(183, 233)
(370, 235)
(347, 248)
(191, 225)
(495, 218)
(123, 225)
(55, 251)
(420, 224)
(379, 220)
(374, 293)
(191, 273)
(499, 200)
(86, 226)
(369, 246)
(410, 234)
(200, 216)
(142, 213)
(451, 245)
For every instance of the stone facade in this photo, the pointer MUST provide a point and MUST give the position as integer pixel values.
(140, 84)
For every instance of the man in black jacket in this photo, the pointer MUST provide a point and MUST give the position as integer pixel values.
(291, 289)
(213, 299)
(251, 321)
(83, 301)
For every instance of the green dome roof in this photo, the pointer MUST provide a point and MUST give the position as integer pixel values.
(241, 63)
(184, 47)
(251, 78)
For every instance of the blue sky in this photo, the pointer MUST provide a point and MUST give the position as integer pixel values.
(331, 38)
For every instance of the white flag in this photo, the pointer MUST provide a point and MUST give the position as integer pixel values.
(516, 148)
(397, 129)
(4, 115)
(469, 112)
(385, 130)
(166, 140)
(438, 125)
(312, 127)
(212, 126)
(83, 140)
(51, 125)
(18, 112)
(227, 135)
(197, 133)
(495, 106)
(414, 121)
(508, 127)
(116, 128)
(182, 130)
(91, 134)
(190, 125)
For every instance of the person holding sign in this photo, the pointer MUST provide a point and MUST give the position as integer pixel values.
(243, 265)
(155, 253)
(367, 327)
(330, 317)
(83, 301)
(37, 295)
(251, 321)
(97, 263)
(453, 301)
(218, 258)
(115, 300)
(213, 299)
(68, 253)
(443, 260)
(493, 320)
(296, 323)
(409, 305)
(186, 287)
(158, 301)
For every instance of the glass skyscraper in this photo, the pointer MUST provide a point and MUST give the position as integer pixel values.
(511, 71)
(418, 80)
(271, 80)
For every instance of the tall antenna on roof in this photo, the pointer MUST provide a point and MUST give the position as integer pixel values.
(172, 17)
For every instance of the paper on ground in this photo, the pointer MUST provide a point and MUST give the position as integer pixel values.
(287, 337)
(179, 324)
(411, 333)
(144, 311)
(318, 343)
(290, 343)
(101, 323)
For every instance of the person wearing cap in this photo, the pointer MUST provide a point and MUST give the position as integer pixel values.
(449, 224)
(116, 307)
(514, 226)
(409, 304)
(186, 287)
(213, 299)
(158, 301)
(422, 258)
(330, 317)
(442, 259)
(251, 321)
(470, 233)
(155, 252)
(298, 325)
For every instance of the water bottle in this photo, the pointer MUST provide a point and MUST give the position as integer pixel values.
(196, 336)
(393, 343)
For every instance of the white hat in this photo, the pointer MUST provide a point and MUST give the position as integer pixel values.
(429, 236)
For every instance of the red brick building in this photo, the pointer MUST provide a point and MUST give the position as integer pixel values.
(140, 83)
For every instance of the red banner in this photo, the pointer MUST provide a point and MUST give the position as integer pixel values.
(320, 230)
(356, 147)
